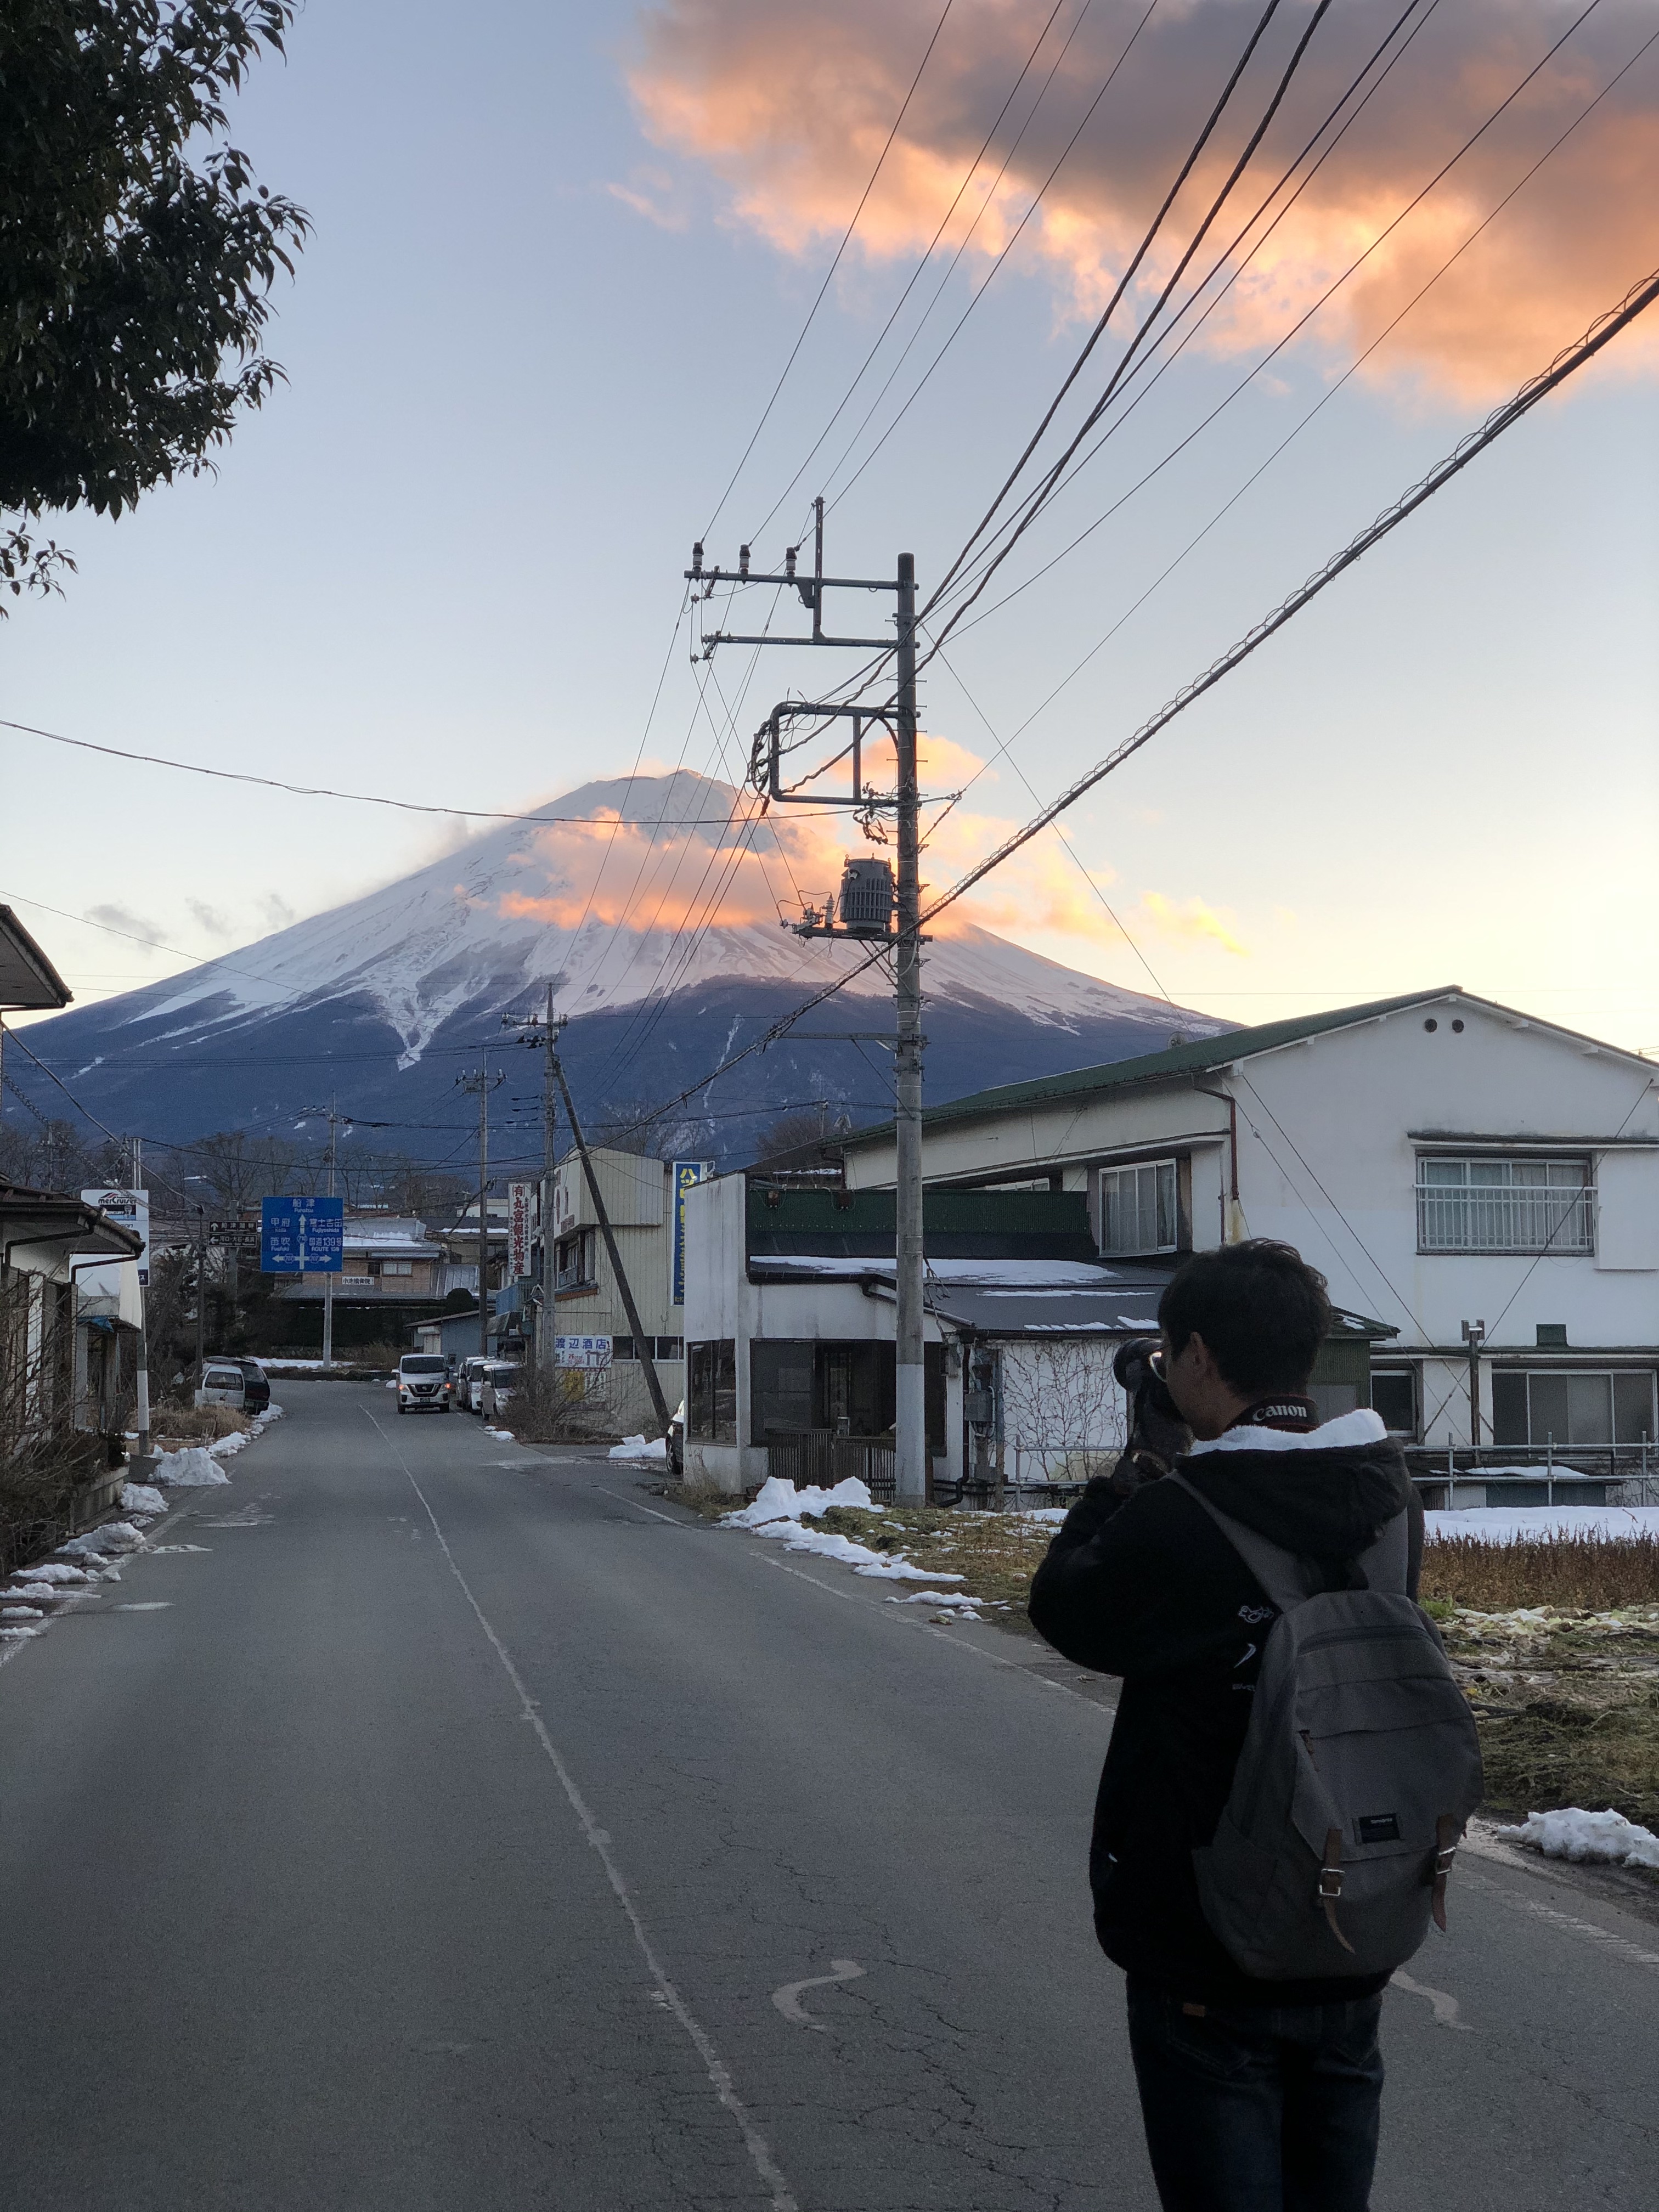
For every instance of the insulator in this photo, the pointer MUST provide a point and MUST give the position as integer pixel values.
(743, 560)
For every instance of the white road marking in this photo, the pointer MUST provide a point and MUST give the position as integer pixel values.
(638, 1508)
(720, 2074)
(1618, 1946)
(154, 1605)
(1445, 2008)
(927, 1628)
(787, 1999)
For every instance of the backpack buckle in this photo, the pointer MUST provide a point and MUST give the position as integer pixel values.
(1330, 1882)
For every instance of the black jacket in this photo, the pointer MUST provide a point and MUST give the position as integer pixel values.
(1148, 1587)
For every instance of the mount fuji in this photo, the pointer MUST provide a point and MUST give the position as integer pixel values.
(651, 906)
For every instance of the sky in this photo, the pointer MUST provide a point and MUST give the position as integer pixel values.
(560, 260)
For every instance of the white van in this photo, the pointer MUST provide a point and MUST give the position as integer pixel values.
(222, 1383)
(423, 1383)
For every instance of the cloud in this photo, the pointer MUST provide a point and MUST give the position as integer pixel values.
(1189, 918)
(652, 195)
(277, 911)
(208, 918)
(122, 920)
(789, 108)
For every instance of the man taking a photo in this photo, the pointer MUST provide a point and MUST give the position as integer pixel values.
(1258, 2094)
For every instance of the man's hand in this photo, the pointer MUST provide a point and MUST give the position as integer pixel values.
(1157, 1435)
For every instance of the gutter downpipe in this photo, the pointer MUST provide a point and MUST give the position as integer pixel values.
(1229, 1224)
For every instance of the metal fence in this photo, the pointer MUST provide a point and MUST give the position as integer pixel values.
(1532, 1474)
(820, 1458)
(1504, 1218)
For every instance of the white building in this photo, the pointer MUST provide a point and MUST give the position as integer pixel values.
(1444, 1161)
(790, 1318)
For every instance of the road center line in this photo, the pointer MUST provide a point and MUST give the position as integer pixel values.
(719, 2073)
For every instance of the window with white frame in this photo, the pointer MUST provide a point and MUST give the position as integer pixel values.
(1494, 1204)
(1139, 1210)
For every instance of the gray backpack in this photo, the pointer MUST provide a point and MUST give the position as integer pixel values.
(1358, 1771)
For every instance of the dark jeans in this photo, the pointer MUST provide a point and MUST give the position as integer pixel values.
(1256, 2108)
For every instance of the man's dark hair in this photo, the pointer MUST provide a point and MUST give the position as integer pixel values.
(1259, 1306)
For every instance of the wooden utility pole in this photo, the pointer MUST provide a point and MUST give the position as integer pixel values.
(642, 1341)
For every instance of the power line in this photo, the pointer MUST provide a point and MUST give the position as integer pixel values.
(847, 239)
(969, 175)
(1099, 330)
(1037, 500)
(1300, 324)
(1013, 240)
(1640, 297)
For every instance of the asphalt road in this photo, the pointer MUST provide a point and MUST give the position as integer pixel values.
(457, 1827)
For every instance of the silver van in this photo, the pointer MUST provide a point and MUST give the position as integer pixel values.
(222, 1383)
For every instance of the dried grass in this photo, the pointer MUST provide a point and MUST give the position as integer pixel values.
(197, 1424)
(1592, 1572)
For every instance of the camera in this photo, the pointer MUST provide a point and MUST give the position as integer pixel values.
(1159, 1436)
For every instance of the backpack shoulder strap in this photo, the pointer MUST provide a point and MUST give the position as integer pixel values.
(1280, 1573)
(1287, 1577)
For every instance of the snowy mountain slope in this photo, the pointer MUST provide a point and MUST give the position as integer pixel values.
(657, 928)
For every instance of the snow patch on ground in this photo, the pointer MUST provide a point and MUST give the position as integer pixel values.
(1508, 1524)
(141, 1498)
(959, 1599)
(109, 1541)
(1604, 1838)
(55, 1571)
(501, 1436)
(777, 1511)
(639, 1448)
(192, 1468)
(20, 1613)
(779, 1500)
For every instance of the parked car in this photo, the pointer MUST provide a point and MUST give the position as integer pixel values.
(256, 1386)
(420, 1383)
(501, 1378)
(222, 1383)
(470, 1383)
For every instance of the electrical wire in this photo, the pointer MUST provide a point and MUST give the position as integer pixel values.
(1293, 331)
(969, 175)
(847, 239)
(1636, 300)
(1013, 241)
(1195, 154)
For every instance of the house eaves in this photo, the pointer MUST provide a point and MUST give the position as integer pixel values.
(1204, 1056)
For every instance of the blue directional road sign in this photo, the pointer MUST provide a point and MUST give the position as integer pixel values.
(301, 1235)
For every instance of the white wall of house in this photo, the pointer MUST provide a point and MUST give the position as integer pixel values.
(1335, 1134)
(721, 1303)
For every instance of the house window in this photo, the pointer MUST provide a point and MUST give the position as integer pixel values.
(578, 1256)
(392, 1266)
(780, 1386)
(670, 1347)
(1393, 1396)
(1496, 1205)
(711, 1397)
(1566, 1408)
(622, 1347)
(1138, 1208)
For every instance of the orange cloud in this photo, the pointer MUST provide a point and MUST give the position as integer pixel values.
(790, 108)
(1189, 918)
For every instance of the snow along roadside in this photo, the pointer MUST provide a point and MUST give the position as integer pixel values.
(777, 1515)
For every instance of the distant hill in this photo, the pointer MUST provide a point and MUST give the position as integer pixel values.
(382, 1001)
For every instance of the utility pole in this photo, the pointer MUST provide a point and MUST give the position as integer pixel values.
(328, 1280)
(541, 1033)
(201, 1291)
(143, 1317)
(910, 1395)
(481, 1086)
(1475, 1336)
(548, 1340)
(642, 1341)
